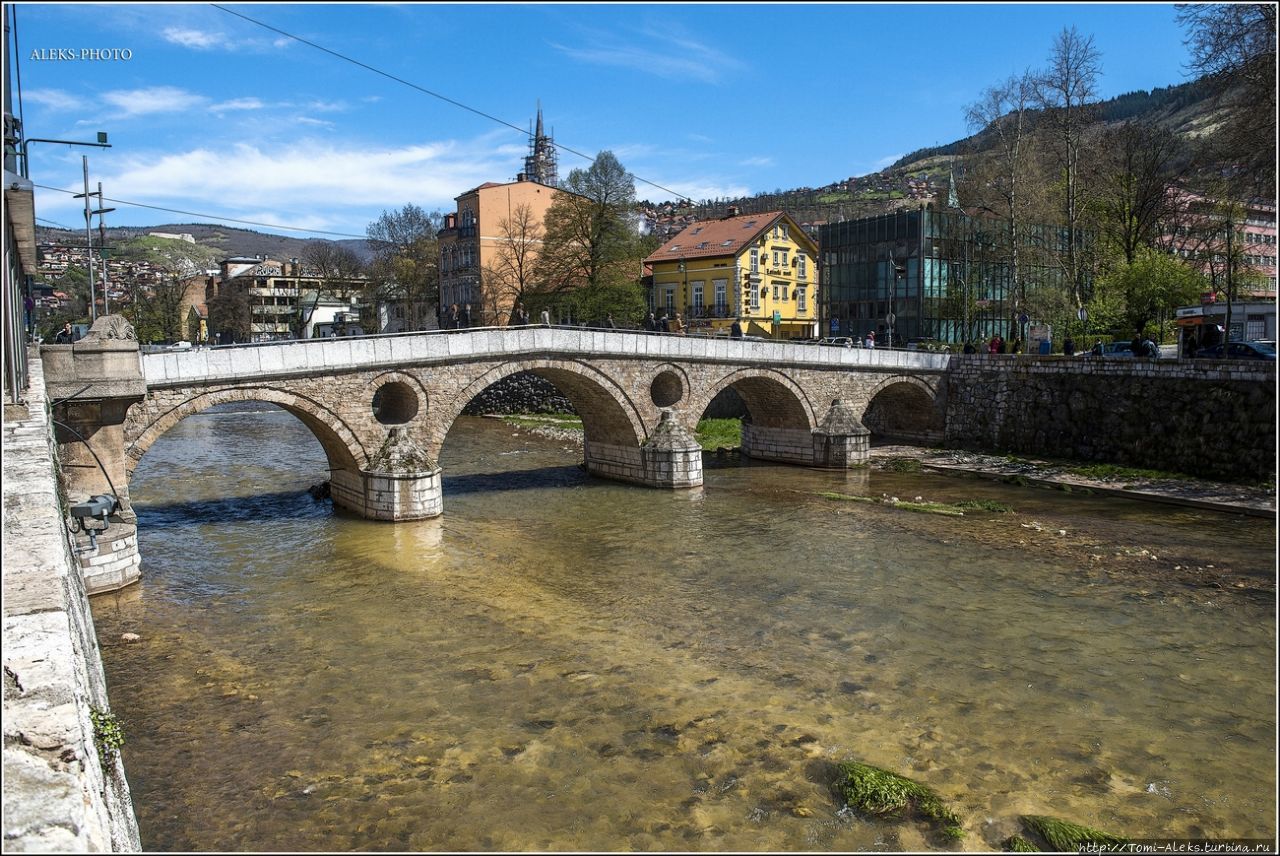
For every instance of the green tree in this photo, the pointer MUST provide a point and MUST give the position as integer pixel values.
(406, 262)
(1134, 295)
(590, 264)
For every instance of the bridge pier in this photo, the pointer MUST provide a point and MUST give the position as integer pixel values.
(670, 458)
(840, 441)
(401, 483)
(92, 384)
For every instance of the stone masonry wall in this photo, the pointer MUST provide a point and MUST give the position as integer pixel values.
(1209, 418)
(59, 795)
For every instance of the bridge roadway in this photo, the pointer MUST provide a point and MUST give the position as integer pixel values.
(382, 406)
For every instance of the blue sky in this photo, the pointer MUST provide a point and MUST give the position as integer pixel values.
(213, 114)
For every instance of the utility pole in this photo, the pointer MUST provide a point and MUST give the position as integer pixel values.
(88, 236)
(102, 249)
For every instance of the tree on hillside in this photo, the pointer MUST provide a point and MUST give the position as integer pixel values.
(406, 261)
(1067, 92)
(1135, 176)
(510, 272)
(1234, 46)
(590, 263)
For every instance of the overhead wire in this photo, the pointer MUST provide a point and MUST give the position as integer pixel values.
(426, 91)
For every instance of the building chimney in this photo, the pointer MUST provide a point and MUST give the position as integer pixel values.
(451, 221)
(520, 176)
(733, 211)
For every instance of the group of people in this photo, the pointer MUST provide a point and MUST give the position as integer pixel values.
(455, 320)
(665, 324)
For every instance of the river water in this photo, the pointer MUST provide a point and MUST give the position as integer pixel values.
(565, 663)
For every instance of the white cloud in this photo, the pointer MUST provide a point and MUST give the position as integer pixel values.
(54, 99)
(300, 183)
(153, 99)
(327, 106)
(756, 161)
(663, 53)
(189, 38)
(238, 104)
(317, 123)
(887, 160)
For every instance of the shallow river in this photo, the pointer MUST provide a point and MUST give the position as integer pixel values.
(561, 662)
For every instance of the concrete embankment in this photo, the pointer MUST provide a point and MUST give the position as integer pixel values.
(64, 791)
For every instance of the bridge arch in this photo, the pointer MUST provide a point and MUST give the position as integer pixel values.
(609, 416)
(342, 447)
(906, 407)
(772, 399)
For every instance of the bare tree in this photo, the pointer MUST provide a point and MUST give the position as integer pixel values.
(1004, 112)
(406, 260)
(1067, 91)
(511, 272)
(1139, 165)
(341, 273)
(1234, 46)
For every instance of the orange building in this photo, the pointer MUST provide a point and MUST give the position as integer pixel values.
(488, 245)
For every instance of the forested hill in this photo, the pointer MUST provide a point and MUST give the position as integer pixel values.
(222, 241)
(923, 175)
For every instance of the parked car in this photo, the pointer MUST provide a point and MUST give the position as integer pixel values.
(1117, 349)
(1238, 351)
(837, 341)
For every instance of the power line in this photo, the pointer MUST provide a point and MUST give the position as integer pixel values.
(426, 91)
(212, 216)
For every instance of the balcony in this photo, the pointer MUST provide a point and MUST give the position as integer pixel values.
(273, 292)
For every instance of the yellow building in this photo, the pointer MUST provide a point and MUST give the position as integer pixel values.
(759, 268)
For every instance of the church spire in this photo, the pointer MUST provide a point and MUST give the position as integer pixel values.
(540, 165)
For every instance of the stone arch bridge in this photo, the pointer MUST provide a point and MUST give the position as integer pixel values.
(381, 407)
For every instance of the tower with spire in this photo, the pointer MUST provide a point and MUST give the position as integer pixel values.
(540, 165)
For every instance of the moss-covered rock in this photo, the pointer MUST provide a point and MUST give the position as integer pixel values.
(1018, 844)
(880, 793)
(1063, 835)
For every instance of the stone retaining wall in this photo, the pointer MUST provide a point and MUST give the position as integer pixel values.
(59, 795)
(1209, 418)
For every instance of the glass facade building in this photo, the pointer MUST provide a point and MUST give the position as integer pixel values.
(929, 274)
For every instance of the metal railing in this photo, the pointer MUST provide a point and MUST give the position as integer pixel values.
(15, 332)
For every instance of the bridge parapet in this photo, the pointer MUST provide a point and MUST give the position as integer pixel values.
(282, 359)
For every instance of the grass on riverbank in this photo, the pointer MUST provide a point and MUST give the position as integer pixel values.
(720, 433)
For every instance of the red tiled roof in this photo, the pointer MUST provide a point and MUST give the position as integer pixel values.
(726, 236)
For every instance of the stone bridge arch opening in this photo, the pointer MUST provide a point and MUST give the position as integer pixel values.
(151, 419)
(904, 409)
(776, 415)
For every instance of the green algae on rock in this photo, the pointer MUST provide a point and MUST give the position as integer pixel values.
(1018, 844)
(881, 793)
(1063, 835)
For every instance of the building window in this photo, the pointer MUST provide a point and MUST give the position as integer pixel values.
(801, 303)
(697, 296)
(721, 287)
(1255, 327)
(755, 297)
(802, 266)
(669, 297)
(755, 261)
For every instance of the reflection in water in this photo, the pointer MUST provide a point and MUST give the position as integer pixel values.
(561, 662)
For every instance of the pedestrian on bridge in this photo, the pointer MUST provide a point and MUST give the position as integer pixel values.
(464, 320)
(870, 340)
(546, 318)
(735, 329)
